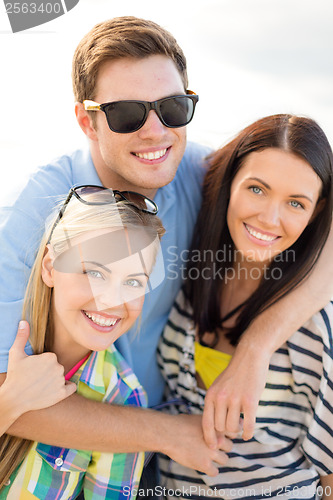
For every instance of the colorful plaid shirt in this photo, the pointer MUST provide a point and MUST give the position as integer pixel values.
(53, 473)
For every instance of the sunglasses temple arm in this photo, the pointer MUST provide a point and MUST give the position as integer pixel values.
(60, 215)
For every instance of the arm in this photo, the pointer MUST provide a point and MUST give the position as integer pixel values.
(327, 485)
(32, 382)
(77, 422)
(81, 423)
(239, 387)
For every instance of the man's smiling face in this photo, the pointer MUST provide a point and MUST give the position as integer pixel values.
(148, 158)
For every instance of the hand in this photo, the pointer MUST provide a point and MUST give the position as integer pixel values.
(237, 390)
(186, 445)
(35, 382)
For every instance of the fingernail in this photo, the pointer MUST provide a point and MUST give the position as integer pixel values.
(21, 325)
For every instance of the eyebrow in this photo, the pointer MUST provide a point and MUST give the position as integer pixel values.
(268, 187)
(97, 264)
(109, 270)
(138, 274)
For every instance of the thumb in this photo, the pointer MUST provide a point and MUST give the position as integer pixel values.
(22, 336)
(70, 387)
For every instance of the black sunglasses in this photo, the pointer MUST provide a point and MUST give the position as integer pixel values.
(125, 117)
(104, 196)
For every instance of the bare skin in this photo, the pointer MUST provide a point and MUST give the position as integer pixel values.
(91, 425)
(102, 427)
(33, 382)
(239, 387)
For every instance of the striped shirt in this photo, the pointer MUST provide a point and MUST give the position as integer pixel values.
(54, 473)
(293, 439)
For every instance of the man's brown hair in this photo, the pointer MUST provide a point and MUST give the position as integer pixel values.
(119, 38)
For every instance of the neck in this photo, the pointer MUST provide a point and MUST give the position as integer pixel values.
(242, 280)
(68, 355)
(248, 272)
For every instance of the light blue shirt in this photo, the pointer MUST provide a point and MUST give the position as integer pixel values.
(22, 225)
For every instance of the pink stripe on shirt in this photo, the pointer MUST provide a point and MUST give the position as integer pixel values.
(76, 367)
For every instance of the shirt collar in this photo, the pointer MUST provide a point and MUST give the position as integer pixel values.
(91, 372)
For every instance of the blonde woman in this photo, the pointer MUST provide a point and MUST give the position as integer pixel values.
(86, 289)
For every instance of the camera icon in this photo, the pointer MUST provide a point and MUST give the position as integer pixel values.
(28, 14)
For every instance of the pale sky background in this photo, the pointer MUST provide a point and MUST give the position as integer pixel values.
(246, 59)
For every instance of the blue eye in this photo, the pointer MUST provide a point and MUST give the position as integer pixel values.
(93, 273)
(255, 189)
(296, 204)
(133, 283)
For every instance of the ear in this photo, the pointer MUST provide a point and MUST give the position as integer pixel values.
(85, 122)
(47, 267)
(320, 205)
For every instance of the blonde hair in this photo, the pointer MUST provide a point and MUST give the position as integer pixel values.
(77, 220)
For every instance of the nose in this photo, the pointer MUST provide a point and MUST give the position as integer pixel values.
(110, 297)
(270, 214)
(153, 127)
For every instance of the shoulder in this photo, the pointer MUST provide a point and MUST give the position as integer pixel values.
(312, 344)
(186, 186)
(193, 165)
(182, 196)
(196, 153)
(44, 190)
(52, 180)
(319, 327)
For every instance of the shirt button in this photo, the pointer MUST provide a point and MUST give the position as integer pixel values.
(7, 483)
(59, 462)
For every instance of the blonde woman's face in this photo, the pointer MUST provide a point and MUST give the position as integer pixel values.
(95, 302)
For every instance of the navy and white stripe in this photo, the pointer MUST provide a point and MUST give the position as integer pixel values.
(293, 439)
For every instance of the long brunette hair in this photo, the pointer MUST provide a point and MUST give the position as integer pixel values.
(204, 285)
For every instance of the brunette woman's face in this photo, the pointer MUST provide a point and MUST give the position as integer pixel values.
(273, 198)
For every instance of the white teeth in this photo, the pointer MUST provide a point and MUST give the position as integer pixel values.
(153, 155)
(260, 236)
(100, 320)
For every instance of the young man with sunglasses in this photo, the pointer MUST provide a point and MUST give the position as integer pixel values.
(130, 84)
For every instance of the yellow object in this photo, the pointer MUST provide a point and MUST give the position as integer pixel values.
(209, 363)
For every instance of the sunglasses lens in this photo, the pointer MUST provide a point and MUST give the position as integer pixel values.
(177, 111)
(124, 116)
(95, 195)
(140, 201)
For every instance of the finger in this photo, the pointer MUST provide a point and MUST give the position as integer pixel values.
(208, 426)
(70, 388)
(249, 421)
(220, 457)
(17, 349)
(224, 443)
(220, 414)
(232, 426)
(210, 469)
